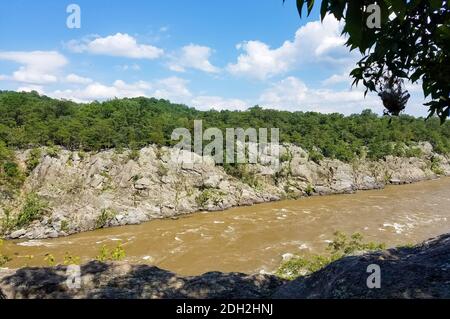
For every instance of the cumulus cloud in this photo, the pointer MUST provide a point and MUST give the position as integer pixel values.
(194, 57)
(37, 67)
(294, 95)
(337, 78)
(76, 79)
(119, 44)
(315, 42)
(172, 88)
(99, 91)
(205, 102)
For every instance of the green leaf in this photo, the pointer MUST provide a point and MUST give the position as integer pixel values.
(323, 9)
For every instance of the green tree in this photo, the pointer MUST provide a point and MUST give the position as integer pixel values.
(412, 43)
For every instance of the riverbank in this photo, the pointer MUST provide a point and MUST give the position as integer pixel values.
(82, 192)
(416, 272)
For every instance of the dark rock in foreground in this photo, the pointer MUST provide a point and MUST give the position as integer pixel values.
(124, 281)
(419, 272)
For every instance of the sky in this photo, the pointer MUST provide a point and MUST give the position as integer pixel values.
(207, 54)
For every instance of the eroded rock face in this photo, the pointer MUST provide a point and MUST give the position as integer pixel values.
(419, 272)
(88, 191)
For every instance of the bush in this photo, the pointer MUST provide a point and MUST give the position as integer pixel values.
(435, 166)
(104, 218)
(209, 195)
(134, 155)
(33, 160)
(33, 209)
(341, 246)
(3, 258)
(242, 172)
(53, 151)
(116, 254)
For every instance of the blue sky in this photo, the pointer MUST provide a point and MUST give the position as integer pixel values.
(208, 54)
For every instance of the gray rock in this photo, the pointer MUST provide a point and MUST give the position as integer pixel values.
(18, 234)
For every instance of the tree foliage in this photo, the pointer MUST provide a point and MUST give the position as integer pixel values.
(412, 43)
(29, 121)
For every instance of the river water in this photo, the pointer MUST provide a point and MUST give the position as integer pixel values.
(254, 239)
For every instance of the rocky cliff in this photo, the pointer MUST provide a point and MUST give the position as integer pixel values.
(85, 191)
(418, 272)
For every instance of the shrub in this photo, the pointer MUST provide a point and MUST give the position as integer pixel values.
(33, 209)
(134, 155)
(33, 160)
(3, 258)
(53, 151)
(71, 260)
(65, 226)
(315, 156)
(242, 172)
(435, 166)
(50, 260)
(309, 190)
(116, 254)
(341, 246)
(104, 218)
(209, 195)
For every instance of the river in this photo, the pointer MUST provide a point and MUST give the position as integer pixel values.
(254, 239)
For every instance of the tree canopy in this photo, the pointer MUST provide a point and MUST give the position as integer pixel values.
(29, 120)
(411, 42)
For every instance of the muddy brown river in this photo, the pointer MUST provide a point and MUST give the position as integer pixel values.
(254, 239)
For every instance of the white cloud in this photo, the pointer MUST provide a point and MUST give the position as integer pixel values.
(294, 95)
(338, 78)
(127, 67)
(195, 57)
(119, 44)
(315, 42)
(98, 91)
(37, 67)
(172, 88)
(205, 102)
(76, 79)
(29, 88)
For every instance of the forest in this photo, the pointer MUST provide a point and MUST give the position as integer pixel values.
(30, 120)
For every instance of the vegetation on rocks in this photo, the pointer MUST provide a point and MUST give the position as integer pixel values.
(341, 246)
(34, 209)
(3, 258)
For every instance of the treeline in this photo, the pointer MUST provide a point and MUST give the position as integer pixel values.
(28, 120)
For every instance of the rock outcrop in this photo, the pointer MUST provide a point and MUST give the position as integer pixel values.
(123, 281)
(418, 272)
(87, 191)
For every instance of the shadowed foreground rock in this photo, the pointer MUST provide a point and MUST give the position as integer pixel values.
(419, 272)
(124, 281)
